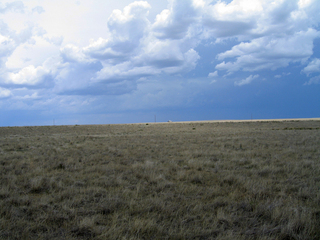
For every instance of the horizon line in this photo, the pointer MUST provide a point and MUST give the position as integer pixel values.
(169, 121)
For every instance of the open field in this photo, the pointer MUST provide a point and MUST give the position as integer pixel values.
(193, 180)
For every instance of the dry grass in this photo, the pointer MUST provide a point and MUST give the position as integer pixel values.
(248, 180)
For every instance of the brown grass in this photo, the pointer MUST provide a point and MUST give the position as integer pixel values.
(246, 180)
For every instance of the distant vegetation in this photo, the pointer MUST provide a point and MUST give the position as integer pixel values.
(248, 180)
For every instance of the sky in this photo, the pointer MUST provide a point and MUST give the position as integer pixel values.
(68, 62)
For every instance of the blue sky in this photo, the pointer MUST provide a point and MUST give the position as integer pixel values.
(103, 61)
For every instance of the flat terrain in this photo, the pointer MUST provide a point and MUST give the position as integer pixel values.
(193, 180)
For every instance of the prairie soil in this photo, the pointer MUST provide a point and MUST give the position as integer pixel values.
(201, 180)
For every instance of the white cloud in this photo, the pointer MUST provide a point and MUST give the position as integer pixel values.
(127, 44)
(28, 76)
(272, 34)
(32, 96)
(304, 3)
(164, 54)
(72, 53)
(313, 80)
(17, 6)
(269, 52)
(73, 71)
(148, 65)
(313, 66)
(7, 46)
(247, 80)
(38, 9)
(214, 74)
(4, 93)
(54, 40)
(133, 50)
(127, 29)
(35, 54)
(283, 74)
(248, 19)
(174, 22)
(229, 20)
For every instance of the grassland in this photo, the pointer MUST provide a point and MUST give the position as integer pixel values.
(245, 180)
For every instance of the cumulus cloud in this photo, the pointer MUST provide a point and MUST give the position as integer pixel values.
(313, 66)
(269, 52)
(7, 45)
(28, 76)
(135, 49)
(174, 22)
(55, 40)
(266, 35)
(213, 74)
(4, 93)
(74, 76)
(71, 53)
(32, 76)
(272, 34)
(38, 9)
(313, 80)
(17, 6)
(247, 80)
(146, 65)
(168, 54)
(35, 54)
(126, 28)
(229, 20)
(32, 96)
(281, 75)
(164, 54)
(247, 20)
(11, 40)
